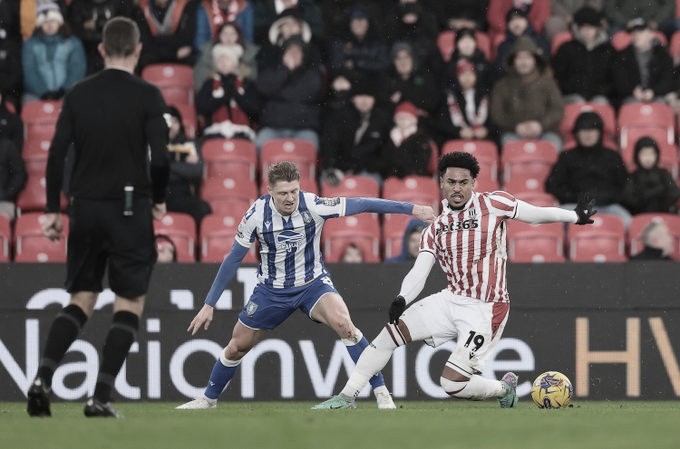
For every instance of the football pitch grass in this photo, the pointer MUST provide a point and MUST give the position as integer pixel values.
(291, 425)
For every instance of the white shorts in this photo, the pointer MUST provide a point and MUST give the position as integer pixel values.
(475, 325)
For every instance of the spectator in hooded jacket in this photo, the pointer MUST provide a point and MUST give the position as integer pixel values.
(410, 245)
(465, 47)
(52, 59)
(526, 103)
(408, 149)
(650, 188)
(537, 11)
(266, 12)
(583, 65)
(643, 71)
(518, 26)
(291, 92)
(590, 168)
(290, 23)
(563, 14)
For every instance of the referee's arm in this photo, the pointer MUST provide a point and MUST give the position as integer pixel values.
(54, 174)
(157, 136)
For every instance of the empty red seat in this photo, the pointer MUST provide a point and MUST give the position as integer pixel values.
(5, 238)
(224, 156)
(175, 81)
(535, 242)
(230, 195)
(654, 119)
(528, 184)
(30, 245)
(602, 241)
(362, 230)
(393, 233)
(528, 159)
(573, 110)
(352, 186)
(181, 228)
(217, 238)
(536, 198)
(40, 118)
(33, 197)
(640, 222)
(300, 152)
(421, 190)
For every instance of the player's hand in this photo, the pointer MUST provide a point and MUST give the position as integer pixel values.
(202, 319)
(425, 213)
(51, 226)
(585, 209)
(158, 211)
(397, 308)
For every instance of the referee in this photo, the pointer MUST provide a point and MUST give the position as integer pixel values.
(115, 122)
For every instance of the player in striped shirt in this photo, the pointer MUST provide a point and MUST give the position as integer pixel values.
(468, 241)
(287, 223)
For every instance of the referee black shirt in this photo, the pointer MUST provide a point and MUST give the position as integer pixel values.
(101, 116)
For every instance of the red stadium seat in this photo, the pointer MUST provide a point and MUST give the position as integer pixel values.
(528, 159)
(536, 198)
(640, 222)
(603, 241)
(181, 228)
(188, 113)
(573, 110)
(668, 156)
(622, 39)
(301, 152)
(352, 186)
(654, 119)
(217, 238)
(30, 245)
(362, 230)
(33, 197)
(40, 118)
(446, 44)
(230, 195)
(224, 156)
(422, 190)
(558, 39)
(176, 81)
(528, 184)
(485, 152)
(535, 242)
(674, 48)
(5, 238)
(393, 233)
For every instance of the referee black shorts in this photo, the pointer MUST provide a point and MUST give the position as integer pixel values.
(99, 233)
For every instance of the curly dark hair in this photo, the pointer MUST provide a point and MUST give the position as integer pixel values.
(459, 159)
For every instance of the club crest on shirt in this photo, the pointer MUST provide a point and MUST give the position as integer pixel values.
(306, 216)
(251, 308)
(327, 201)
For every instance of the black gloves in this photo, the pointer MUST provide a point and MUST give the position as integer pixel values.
(584, 209)
(396, 309)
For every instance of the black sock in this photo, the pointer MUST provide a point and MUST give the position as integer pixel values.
(64, 330)
(121, 336)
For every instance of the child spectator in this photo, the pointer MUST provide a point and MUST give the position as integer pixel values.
(408, 149)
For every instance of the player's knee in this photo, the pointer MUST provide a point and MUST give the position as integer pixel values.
(389, 338)
(233, 352)
(455, 388)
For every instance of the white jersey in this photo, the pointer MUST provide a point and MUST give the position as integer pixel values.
(290, 246)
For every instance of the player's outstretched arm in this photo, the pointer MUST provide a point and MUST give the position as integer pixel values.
(535, 214)
(412, 285)
(377, 205)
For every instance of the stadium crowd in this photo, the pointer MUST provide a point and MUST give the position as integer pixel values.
(552, 97)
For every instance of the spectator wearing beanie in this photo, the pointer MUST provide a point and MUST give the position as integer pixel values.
(518, 26)
(52, 59)
(465, 47)
(408, 149)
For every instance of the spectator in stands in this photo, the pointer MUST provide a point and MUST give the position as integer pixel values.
(658, 13)
(11, 125)
(335, 13)
(52, 59)
(358, 48)
(658, 243)
(167, 28)
(465, 47)
(563, 12)
(352, 254)
(590, 168)
(339, 92)
(227, 101)
(537, 11)
(12, 176)
(186, 171)
(10, 51)
(650, 188)
(268, 11)
(643, 71)
(410, 245)
(518, 26)
(212, 14)
(583, 65)
(459, 14)
(353, 137)
(526, 103)
(404, 81)
(228, 34)
(87, 18)
(408, 149)
(289, 24)
(166, 249)
(465, 115)
(291, 92)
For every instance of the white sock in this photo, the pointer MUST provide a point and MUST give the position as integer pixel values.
(477, 388)
(373, 359)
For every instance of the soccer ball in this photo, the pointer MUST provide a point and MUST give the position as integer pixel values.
(552, 389)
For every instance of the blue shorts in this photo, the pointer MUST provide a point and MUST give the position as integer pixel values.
(268, 307)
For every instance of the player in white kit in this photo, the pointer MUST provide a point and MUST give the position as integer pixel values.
(468, 240)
